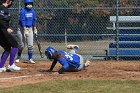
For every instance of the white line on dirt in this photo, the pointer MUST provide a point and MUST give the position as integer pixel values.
(36, 75)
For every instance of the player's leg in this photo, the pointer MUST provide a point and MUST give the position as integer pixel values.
(72, 48)
(10, 46)
(13, 47)
(30, 46)
(6, 53)
(83, 63)
(4, 57)
(8, 50)
(11, 65)
(21, 43)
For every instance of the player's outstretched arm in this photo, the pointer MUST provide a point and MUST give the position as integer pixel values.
(53, 65)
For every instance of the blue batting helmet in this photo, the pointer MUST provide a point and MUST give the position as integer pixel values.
(28, 1)
(49, 52)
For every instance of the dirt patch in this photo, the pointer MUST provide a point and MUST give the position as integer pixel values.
(35, 73)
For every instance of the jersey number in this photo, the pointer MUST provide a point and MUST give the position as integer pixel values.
(69, 57)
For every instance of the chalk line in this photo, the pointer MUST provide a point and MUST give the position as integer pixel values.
(26, 76)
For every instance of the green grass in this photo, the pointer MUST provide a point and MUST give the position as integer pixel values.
(78, 86)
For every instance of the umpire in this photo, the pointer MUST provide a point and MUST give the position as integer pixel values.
(7, 41)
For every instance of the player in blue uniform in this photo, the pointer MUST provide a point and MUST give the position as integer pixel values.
(27, 27)
(69, 61)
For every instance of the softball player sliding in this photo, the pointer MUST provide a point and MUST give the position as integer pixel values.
(27, 24)
(69, 61)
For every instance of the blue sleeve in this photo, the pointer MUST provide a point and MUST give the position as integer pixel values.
(34, 18)
(64, 63)
(53, 64)
(22, 17)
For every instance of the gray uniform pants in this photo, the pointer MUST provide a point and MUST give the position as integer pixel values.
(25, 39)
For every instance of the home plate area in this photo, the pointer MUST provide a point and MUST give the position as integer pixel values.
(98, 70)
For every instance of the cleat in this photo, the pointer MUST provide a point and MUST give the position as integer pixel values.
(87, 63)
(69, 46)
(17, 61)
(13, 67)
(31, 61)
(73, 47)
(3, 69)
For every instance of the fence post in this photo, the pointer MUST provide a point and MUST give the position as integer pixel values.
(19, 5)
(117, 29)
(66, 39)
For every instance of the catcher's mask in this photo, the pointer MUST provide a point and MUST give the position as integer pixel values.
(49, 52)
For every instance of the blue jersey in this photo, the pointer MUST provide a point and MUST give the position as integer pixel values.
(67, 60)
(27, 18)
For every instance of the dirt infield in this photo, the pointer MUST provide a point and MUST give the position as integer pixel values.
(98, 70)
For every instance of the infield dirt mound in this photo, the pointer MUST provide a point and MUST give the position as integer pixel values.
(98, 70)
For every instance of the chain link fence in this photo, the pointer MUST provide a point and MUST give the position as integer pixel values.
(88, 24)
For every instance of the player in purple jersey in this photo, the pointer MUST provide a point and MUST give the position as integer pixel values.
(70, 61)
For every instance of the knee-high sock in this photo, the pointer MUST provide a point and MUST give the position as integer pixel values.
(13, 53)
(30, 53)
(19, 52)
(3, 59)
